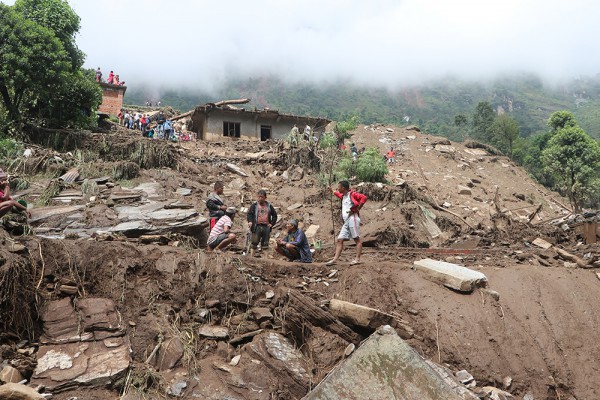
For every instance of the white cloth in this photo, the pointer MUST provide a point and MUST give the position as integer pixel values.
(346, 206)
(219, 228)
(351, 228)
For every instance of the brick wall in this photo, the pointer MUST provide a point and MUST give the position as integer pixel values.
(112, 99)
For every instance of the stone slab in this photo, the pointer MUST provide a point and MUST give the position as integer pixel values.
(539, 242)
(88, 363)
(14, 391)
(451, 275)
(383, 367)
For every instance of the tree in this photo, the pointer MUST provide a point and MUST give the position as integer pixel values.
(60, 18)
(40, 70)
(32, 60)
(482, 120)
(460, 120)
(574, 159)
(505, 130)
(561, 119)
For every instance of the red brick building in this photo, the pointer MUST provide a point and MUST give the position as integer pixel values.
(112, 98)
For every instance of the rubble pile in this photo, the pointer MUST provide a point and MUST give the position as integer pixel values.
(474, 282)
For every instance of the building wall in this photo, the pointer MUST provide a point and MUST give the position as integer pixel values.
(112, 99)
(250, 125)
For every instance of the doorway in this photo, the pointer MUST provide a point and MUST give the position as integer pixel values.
(265, 132)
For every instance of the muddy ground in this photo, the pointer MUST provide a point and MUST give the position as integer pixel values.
(539, 332)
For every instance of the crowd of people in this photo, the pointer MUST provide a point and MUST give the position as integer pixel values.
(113, 79)
(262, 218)
(157, 126)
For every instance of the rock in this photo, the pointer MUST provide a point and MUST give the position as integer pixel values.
(15, 391)
(464, 190)
(68, 289)
(183, 191)
(279, 354)
(349, 349)
(442, 148)
(213, 331)
(451, 275)
(237, 184)
(311, 232)
(61, 323)
(495, 295)
(235, 360)
(389, 130)
(261, 313)
(497, 394)
(285, 175)
(413, 128)
(446, 204)
(528, 396)
(294, 206)
(169, 354)
(464, 377)
(539, 242)
(10, 375)
(270, 294)
(383, 367)
(177, 389)
(234, 168)
(507, 382)
(87, 363)
(411, 137)
(99, 314)
(295, 173)
(16, 248)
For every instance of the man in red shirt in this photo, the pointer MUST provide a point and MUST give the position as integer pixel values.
(390, 155)
(352, 202)
(261, 218)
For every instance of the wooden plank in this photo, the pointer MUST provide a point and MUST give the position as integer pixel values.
(302, 309)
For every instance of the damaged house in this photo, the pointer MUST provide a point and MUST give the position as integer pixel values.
(222, 120)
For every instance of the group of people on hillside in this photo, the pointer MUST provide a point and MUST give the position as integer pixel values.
(262, 217)
(112, 78)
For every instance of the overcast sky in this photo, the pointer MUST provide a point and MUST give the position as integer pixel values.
(376, 42)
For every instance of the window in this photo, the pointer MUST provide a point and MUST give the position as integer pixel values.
(231, 129)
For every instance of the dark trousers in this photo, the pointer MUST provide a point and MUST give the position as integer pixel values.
(261, 235)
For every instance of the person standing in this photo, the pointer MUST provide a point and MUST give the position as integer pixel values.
(111, 77)
(215, 205)
(98, 75)
(261, 218)
(391, 155)
(352, 202)
(294, 245)
(220, 235)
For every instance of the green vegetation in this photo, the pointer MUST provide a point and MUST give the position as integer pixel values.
(573, 158)
(41, 79)
(368, 167)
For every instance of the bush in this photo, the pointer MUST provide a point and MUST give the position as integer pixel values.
(327, 140)
(369, 167)
(9, 150)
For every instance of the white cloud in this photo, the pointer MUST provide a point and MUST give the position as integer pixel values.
(381, 42)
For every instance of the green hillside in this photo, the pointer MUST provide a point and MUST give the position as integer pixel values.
(432, 106)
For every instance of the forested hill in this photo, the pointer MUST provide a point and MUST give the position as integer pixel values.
(433, 106)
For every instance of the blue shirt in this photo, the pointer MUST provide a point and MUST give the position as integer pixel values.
(298, 239)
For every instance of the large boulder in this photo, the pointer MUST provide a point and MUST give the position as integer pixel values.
(384, 367)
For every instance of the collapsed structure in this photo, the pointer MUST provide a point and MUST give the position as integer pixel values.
(223, 120)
